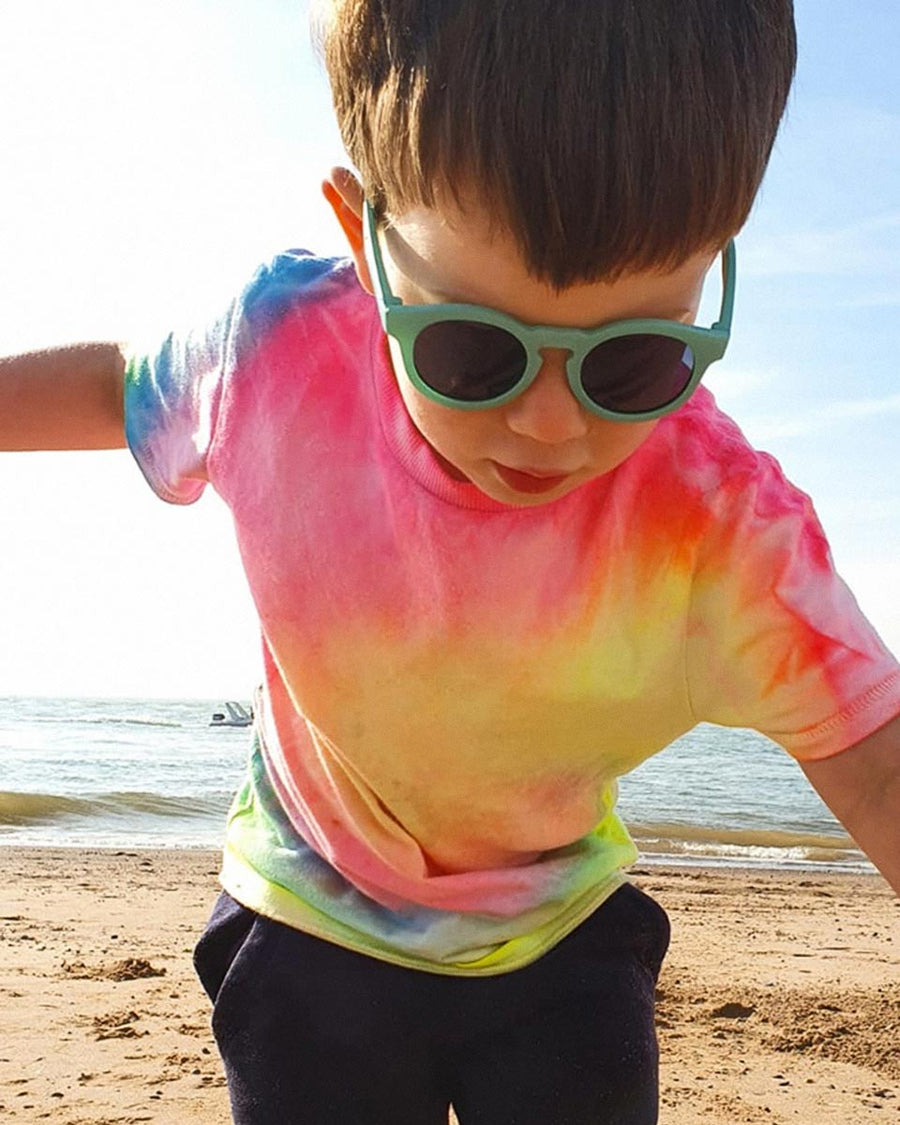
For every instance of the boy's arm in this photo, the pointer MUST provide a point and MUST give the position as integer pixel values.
(64, 398)
(861, 786)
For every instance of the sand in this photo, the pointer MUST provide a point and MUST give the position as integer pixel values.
(779, 1001)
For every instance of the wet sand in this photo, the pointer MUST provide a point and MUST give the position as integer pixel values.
(779, 1001)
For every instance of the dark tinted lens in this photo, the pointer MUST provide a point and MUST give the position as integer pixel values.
(631, 374)
(465, 360)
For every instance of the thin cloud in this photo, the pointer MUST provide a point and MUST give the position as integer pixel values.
(887, 300)
(737, 382)
(868, 247)
(822, 417)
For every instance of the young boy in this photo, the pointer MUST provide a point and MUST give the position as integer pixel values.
(503, 548)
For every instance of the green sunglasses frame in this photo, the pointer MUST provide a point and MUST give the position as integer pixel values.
(405, 322)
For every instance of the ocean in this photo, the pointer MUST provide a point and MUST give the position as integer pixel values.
(116, 773)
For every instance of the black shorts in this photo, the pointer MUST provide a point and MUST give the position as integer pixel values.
(311, 1032)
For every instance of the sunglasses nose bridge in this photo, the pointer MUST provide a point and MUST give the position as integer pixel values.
(561, 357)
(548, 351)
(551, 342)
(555, 357)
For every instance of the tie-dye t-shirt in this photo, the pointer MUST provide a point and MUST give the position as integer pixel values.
(453, 685)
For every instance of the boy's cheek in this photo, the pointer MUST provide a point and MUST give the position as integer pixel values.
(439, 425)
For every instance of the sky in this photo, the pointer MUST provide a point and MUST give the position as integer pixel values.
(155, 152)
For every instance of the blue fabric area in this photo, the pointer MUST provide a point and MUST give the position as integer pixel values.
(277, 287)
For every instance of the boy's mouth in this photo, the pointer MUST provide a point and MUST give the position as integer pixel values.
(530, 481)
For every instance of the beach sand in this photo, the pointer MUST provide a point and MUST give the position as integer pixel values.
(779, 1001)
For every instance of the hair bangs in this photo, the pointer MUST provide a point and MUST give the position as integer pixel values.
(607, 136)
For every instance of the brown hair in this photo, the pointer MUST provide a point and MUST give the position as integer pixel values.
(605, 135)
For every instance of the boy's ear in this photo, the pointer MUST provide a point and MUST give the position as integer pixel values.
(345, 196)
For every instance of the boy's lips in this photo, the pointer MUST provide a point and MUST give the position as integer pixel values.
(529, 480)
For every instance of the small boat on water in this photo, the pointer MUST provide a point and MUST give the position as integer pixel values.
(234, 715)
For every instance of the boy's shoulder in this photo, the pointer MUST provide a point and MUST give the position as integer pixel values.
(708, 435)
(712, 460)
(293, 279)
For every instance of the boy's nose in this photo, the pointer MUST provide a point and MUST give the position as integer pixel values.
(547, 411)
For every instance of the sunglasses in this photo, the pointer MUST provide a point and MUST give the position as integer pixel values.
(473, 358)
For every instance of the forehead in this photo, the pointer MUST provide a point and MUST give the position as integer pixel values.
(450, 255)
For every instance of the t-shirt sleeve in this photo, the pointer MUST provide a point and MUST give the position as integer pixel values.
(183, 399)
(172, 398)
(776, 641)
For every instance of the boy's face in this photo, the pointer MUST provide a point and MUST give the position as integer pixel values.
(542, 444)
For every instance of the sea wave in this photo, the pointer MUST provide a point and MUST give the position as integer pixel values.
(698, 842)
(114, 722)
(73, 718)
(22, 809)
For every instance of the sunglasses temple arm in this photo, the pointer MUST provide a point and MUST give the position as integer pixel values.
(729, 283)
(370, 234)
